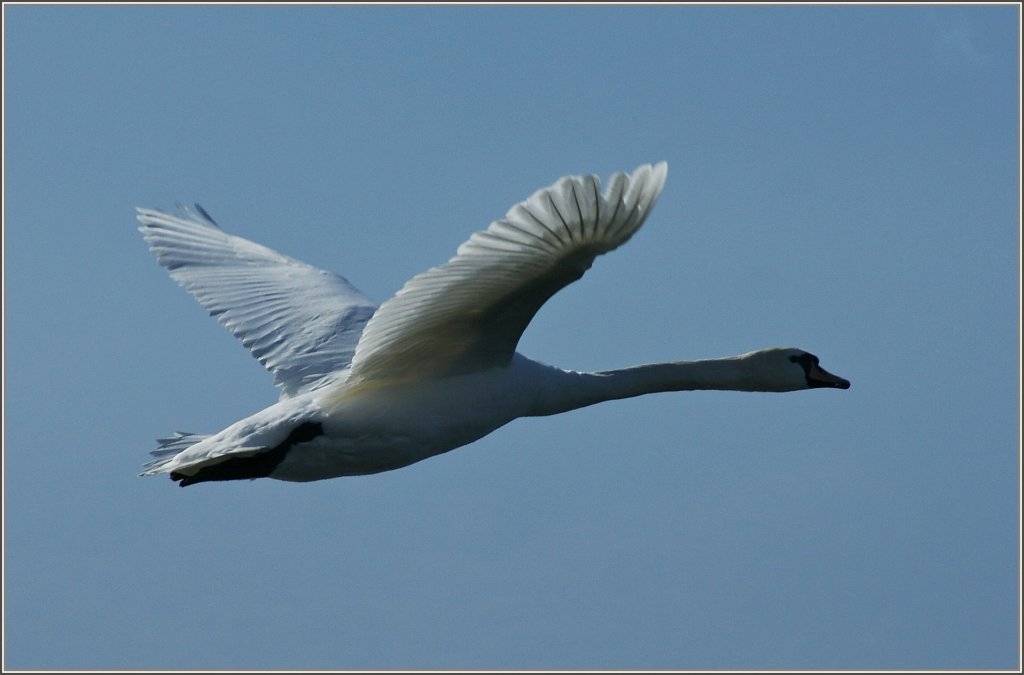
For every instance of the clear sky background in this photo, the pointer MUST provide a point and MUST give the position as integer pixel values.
(842, 179)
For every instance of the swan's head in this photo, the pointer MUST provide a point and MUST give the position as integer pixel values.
(790, 369)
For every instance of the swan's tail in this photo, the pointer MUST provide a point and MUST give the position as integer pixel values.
(168, 449)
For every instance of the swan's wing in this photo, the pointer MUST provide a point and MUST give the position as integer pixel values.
(299, 321)
(469, 313)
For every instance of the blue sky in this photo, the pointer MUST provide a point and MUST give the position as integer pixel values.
(842, 179)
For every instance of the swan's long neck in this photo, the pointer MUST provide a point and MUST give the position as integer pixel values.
(569, 390)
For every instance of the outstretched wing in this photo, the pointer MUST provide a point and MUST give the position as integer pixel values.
(299, 321)
(469, 313)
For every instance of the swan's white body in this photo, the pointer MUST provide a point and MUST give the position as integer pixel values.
(366, 389)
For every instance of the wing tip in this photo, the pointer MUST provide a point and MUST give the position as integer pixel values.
(155, 217)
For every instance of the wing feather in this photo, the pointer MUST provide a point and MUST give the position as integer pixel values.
(469, 313)
(301, 322)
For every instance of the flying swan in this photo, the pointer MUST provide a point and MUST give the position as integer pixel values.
(367, 388)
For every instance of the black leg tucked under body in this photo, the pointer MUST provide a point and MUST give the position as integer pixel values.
(259, 465)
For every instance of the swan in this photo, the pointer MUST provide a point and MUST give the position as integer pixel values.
(367, 388)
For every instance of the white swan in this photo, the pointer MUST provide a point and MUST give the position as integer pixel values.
(366, 389)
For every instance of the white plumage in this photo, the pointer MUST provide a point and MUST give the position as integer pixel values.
(367, 389)
(299, 321)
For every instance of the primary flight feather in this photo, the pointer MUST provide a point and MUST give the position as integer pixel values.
(367, 388)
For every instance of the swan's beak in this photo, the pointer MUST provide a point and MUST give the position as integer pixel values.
(819, 377)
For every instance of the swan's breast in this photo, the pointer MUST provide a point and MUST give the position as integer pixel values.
(381, 425)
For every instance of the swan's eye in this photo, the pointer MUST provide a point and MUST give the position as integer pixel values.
(805, 360)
